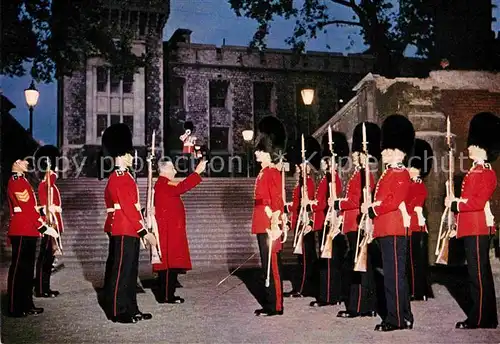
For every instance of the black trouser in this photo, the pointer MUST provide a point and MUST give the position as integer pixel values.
(361, 285)
(330, 272)
(418, 263)
(44, 265)
(167, 280)
(121, 291)
(307, 262)
(483, 312)
(397, 296)
(274, 293)
(20, 280)
(109, 261)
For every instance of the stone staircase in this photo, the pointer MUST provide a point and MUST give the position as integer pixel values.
(219, 212)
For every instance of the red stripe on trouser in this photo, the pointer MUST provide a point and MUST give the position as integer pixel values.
(277, 281)
(14, 277)
(166, 285)
(118, 277)
(396, 279)
(412, 268)
(303, 266)
(328, 283)
(480, 283)
(359, 298)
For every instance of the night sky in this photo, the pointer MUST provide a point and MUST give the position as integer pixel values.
(211, 21)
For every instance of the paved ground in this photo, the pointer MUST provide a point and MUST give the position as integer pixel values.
(225, 315)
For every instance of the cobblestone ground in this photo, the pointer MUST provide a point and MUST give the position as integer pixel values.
(225, 315)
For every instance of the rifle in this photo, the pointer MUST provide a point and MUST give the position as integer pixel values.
(51, 218)
(361, 256)
(332, 221)
(283, 195)
(151, 224)
(303, 218)
(443, 242)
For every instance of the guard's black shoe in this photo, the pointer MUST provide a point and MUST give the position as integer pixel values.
(297, 294)
(289, 293)
(272, 313)
(418, 298)
(143, 316)
(124, 319)
(347, 314)
(323, 304)
(369, 314)
(260, 311)
(386, 327)
(17, 314)
(47, 294)
(175, 299)
(35, 311)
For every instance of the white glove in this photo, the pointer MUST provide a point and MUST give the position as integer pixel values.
(268, 211)
(307, 229)
(364, 208)
(51, 232)
(150, 239)
(188, 132)
(52, 208)
(274, 233)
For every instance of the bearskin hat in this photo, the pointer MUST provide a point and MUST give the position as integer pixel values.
(372, 136)
(117, 140)
(313, 151)
(398, 133)
(44, 152)
(484, 132)
(422, 157)
(340, 147)
(189, 125)
(271, 137)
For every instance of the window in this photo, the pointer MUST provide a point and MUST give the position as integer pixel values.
(219, 138)
(177, 92)
(114, 100)
(262, 93)
(218, 52)
(218, 94)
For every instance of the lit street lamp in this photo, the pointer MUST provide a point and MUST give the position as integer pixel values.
(248, 137)
(31, 94)
(307, 97)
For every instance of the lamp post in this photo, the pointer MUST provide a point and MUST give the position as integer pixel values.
(248, 137)
(31, 94)
(307, 97)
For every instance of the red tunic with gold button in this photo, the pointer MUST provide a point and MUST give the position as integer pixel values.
(171, 219)
(295, 208)
(321, 206)
(350, 206)
(416, 198)
(268, 192)
(124, 194)
(25, 218)
(56, 199)
(110, 210)
(477, 188)
(391, 190)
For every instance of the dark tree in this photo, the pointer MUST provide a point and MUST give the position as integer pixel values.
(386, 30)
(57, 36)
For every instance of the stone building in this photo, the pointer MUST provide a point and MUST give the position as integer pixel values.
(92, 99)
(427, 102)
(225, 90)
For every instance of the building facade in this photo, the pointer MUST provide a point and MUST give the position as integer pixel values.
(225, 90)
(92, 99)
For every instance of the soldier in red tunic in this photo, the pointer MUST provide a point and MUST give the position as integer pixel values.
(188, 144)
(420, 166)
(475, 223)
(330, 269)
(267, 211)
(171, 218)
(48, 245)
(391, 221)
(127, 228)
(361, 298)
(303, 282)
(25, 227)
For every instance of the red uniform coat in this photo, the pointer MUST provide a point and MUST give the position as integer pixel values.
(110, 210)
(416, 198)
(267, 192)
(25, 218)
(56, 199)
(477, 188)
(391, 190)
(124, 194)
(171, 219)
(295, 208)
(321, 196)
(350, 206)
